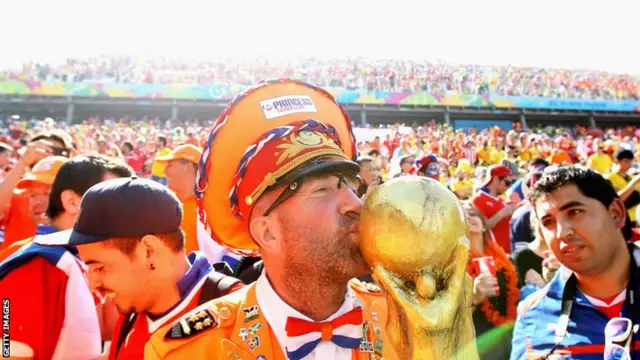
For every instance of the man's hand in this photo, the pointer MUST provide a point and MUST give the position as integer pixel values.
(35, 152)
(533, 277)
(484, 285)
(511, 207)
(550, 266)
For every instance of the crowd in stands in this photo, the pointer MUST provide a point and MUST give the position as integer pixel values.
(437, 78)
(455, 149)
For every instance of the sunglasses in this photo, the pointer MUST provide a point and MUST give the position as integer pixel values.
(506, 180)
(616, 352)
(618, 334)
(354, 182)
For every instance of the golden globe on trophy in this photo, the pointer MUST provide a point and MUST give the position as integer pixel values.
(414, 236)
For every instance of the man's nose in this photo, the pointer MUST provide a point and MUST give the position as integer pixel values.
(350, 203)
(564, 230)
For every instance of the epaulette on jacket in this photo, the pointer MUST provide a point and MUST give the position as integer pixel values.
(218, 313)
(206, 317)
(192, 324)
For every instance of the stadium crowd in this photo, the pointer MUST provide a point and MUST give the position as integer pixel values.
(437, 78)
(493, 172)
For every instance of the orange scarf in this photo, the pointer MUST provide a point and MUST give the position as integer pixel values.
(504, 264)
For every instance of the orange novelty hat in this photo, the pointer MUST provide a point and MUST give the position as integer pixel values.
(264, 134)
(43, 172)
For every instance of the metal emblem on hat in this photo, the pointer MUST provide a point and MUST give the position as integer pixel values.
(309, 138)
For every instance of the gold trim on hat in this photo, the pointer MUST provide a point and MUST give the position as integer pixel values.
(271, 178)
(301, 141)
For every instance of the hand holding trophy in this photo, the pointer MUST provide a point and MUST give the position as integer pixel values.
(414, 236)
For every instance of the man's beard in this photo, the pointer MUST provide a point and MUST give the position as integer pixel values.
(327, 258)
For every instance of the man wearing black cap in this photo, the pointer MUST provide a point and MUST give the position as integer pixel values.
(128, 233)
(42, 325)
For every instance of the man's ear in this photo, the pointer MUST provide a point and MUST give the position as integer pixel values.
(148, 249)
(618, 212)
(262, 230)
(70, 202)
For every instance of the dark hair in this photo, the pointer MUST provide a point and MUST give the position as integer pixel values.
(128, 145)
(173, 240)
(624, 154)
(529, 182)
(589, 182)
(81, 173)
(364, 160)
(539, 162)
(374, 153)
(163, 140)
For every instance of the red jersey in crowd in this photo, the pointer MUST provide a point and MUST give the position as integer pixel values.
(489, 205)
(16, 222)
(53, 313)
(136, 162)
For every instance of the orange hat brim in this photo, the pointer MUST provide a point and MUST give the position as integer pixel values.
(166, 159)
(29, 179)
(240, 124)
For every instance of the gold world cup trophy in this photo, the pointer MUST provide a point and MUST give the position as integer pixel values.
(414, 236)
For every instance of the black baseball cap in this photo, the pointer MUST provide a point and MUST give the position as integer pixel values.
(126, 207)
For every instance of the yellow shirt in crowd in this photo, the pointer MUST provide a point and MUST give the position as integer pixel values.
(619, 183)
(600, 162)
(497, 156)
(525, 155)
(157, 168)
(462, 185)
(483, 155)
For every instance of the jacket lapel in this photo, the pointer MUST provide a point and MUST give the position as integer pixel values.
(252, 333)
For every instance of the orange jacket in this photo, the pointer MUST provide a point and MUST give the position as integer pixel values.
(218, 335)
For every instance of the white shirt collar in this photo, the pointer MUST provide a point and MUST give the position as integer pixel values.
(622, 296)
(276, 311)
